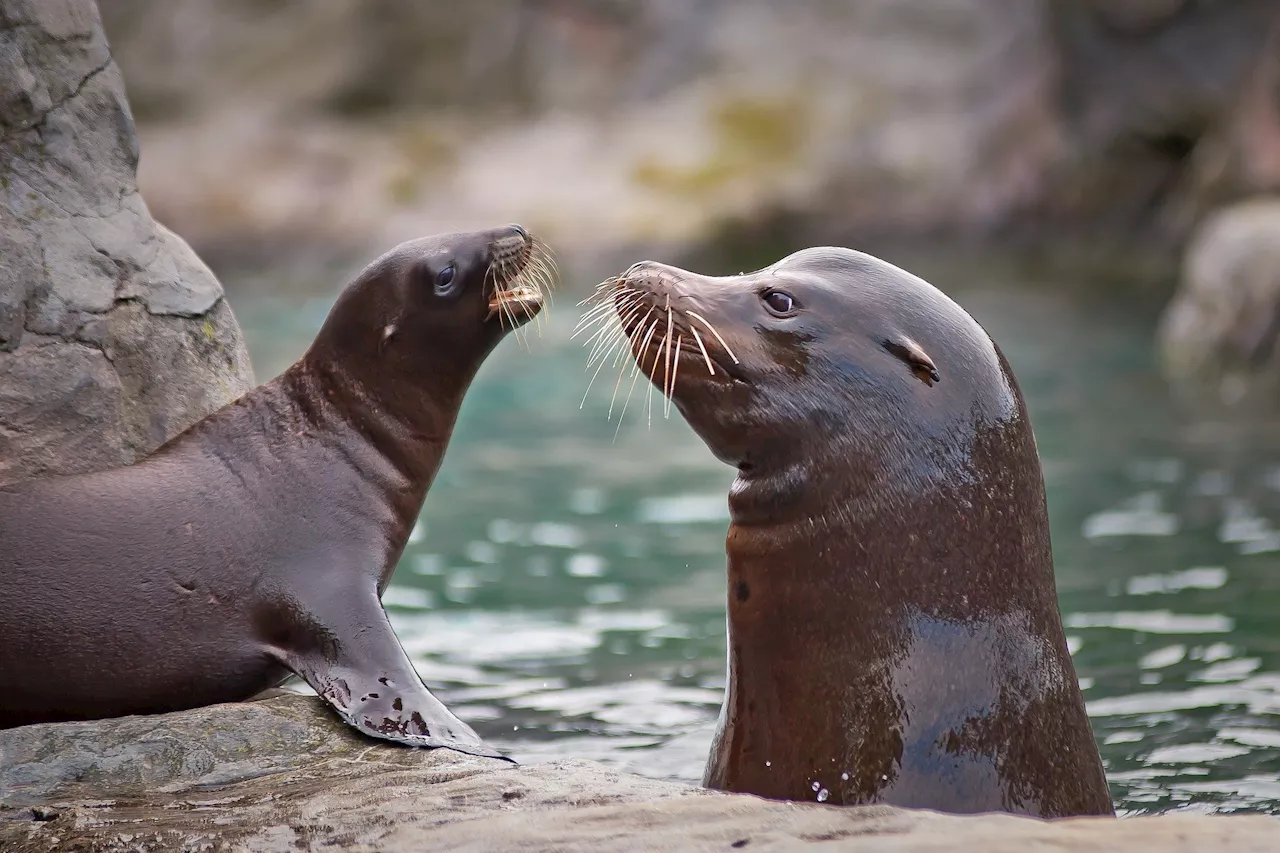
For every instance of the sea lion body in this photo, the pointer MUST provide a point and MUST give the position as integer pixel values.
(893, 628)
(257, 543)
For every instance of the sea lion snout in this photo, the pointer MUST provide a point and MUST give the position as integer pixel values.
(520, 269)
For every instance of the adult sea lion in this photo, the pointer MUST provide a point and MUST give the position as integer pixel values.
(894, 634)
(258, 542)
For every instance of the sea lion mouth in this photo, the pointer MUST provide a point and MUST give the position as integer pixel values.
(519, 279)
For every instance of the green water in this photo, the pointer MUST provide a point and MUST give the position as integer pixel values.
(564, 589)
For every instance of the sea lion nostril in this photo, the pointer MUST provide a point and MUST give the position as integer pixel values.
(519, 230)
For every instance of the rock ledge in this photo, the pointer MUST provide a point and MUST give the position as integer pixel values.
(282, 774)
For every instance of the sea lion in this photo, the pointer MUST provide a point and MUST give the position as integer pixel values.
(257, 543)
(893, 627)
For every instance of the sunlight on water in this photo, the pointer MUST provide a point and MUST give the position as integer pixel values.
(564, 591)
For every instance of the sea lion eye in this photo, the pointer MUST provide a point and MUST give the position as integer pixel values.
(444, 281)
(779, 302)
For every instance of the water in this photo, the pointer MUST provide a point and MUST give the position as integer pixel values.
(564, 589)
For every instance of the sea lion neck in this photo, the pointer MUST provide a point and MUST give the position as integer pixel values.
(410, 430)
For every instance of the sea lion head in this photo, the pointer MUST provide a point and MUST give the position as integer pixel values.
(826, 360)
(435, 306)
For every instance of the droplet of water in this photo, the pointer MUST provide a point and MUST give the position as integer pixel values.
(844, 777)
(823, 794)
(816, 786)
(768, 764)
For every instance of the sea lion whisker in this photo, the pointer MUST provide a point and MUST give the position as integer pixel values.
(607, 338)
(698, 316)
(490, 285)
(597, 289)
(596, 341)
(617, 339)
(666, 367)
(644, 345)
(600, 291)
(635, 374)
(675, 371)
(532, 278)
(521, 337)
(631, 341)
(605, 322)
(542, 281)
(664, 346)
(608, 327)
(710, 367)
(588, 319)
(546, 256)
(639, 330)
(604, 308)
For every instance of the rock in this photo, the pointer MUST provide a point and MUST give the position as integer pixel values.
(1155, 98)
(113, 334)
(282, 773)
(1135, 16)
(659, 124)
(600, 124)
(1219, 334)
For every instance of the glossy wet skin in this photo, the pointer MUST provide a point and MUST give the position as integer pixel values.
(894, 634)
(257, 543)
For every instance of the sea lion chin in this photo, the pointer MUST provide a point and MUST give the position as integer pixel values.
(893, 627)
(257, 543)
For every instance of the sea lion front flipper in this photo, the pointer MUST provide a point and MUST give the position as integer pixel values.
(358, 666)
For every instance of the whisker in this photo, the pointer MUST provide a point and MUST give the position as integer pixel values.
(601, 310)
(644, 345)
(675, 371)
(640, 329)
(607, 328)
(635, 375)
(618, 338)
(602, 289)
(617, 301)
(710, 367)
(698, 316)
(666, 368)
(631, 344)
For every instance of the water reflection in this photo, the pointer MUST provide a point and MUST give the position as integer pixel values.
(564, 591)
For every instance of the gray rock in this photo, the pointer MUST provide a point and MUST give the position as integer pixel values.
(113, 334)
(346, 124)
(282, 774)
(1220, 334)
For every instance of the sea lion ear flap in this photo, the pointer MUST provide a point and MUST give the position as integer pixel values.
(916, 358)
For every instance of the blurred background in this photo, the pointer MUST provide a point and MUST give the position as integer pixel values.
(1098, 183)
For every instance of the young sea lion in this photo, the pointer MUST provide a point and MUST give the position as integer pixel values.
(258, 542)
